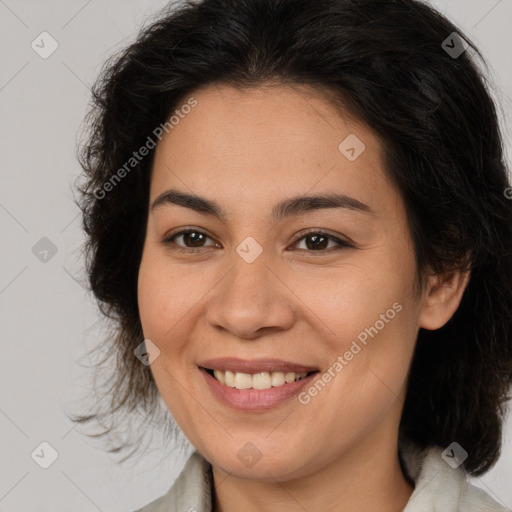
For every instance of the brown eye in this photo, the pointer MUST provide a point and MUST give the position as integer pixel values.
(190, 239)
(317, 241)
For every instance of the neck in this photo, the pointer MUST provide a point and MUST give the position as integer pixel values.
(366, 479)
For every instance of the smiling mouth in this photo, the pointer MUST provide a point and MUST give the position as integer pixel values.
(261, 380)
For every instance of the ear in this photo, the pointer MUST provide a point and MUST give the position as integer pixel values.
(442, 298)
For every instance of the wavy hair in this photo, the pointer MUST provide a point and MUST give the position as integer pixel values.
(387, 64)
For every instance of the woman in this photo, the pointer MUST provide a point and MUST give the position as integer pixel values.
(297, 218)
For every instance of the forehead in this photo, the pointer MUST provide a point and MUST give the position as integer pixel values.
(245, 145)
(268, 115)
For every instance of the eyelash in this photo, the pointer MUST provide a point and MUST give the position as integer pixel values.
(303, 234)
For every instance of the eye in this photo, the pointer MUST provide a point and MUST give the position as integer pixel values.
(315, 241)
(318, 241)
(194, 237)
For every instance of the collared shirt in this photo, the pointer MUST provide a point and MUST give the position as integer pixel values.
(437, 486)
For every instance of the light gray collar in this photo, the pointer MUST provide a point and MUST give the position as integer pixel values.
(438, 487)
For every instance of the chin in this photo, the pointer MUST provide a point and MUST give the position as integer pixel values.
(263, 463)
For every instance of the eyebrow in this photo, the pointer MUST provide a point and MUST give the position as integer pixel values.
(287, 208)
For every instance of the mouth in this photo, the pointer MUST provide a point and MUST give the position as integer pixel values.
(256, 373)
(255, 392)
(259, 380)
(256, 385)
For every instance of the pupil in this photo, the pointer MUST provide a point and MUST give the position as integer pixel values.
(188, 235)
(316, 244)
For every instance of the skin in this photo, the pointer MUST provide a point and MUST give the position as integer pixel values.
(247, 150)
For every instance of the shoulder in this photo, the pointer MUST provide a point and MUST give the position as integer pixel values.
(440, 487)
(477, 500)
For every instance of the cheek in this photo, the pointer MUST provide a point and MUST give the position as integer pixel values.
(368, 315)
(357, 297)
(165, 295)
(364, 379)
(164, 303)
(152, 299)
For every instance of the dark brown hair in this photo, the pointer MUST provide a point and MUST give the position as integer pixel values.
(387, 63)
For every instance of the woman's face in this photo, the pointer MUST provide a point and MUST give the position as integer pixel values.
(258, 288)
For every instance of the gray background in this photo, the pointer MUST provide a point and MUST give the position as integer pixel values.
(48, 322)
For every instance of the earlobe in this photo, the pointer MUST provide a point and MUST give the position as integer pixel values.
(442, 298)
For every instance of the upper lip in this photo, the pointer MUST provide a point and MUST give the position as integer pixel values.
(234, 364)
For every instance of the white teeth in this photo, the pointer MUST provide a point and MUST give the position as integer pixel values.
(243, 381)
(263, 380)
(220, 376)
(277, 378)
(289, 377)
(229, 378)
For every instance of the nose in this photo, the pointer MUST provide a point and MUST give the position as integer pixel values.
(251, 300)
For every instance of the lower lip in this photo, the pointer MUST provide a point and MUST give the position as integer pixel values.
(254, 399)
